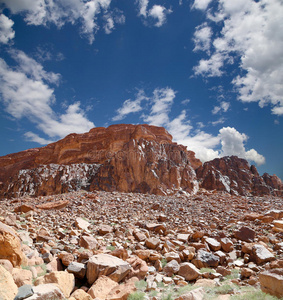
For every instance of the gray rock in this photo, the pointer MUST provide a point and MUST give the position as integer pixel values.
(78, 269)
(46, 292)
(205, 259)
(24, 292)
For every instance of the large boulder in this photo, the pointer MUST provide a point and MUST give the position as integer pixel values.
(122, 291)
(64, 280)
(261, 255)
(189, 271)
(271, 282)
(102, 287)
(104, 264)
(22, 276)
(8, 288)
(10, 246)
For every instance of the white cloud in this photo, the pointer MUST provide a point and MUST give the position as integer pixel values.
(33, 137)
(186, 101)
(233, 143)
(219, 121)
(202, 38)
(223, 107)
(158, 12)
(142, 7)
(252, 155)
(179, 126)
(111, 18)
(41, 12)
(25, 94)
(201, 4)
(6, 31)
(156, 111)
(33, 69)
(130, 106)
(47, 53)
(162, 101)
(252, 31)
(74, 120)
(212, 66)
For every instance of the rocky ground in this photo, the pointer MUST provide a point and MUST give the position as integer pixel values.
(104, 245)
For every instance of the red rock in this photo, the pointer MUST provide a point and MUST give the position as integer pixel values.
(261, 255)
(106, 159)
(271, 282)
(139, 267)
(10, 246)
(245, 234)
(226, 244)
(235, 176)
(103, 159)
(53, 205)
(24, 208)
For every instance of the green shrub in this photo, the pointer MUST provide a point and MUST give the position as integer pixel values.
(136, 296)
(163, 262)
(141, 285)
(111, 248)
(207, 270)
(253, 295)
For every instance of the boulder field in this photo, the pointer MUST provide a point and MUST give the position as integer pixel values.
(117, 246)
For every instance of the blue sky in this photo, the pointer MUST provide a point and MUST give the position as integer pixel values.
(209, 71)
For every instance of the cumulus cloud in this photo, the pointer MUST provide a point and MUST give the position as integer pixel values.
(26, 93)
(251, 32)
(233, 143)
(6, 31)
(156, 110)
(41, 12)
(158, 12)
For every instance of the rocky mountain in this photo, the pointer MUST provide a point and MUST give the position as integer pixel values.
(235, 176)
(126, 158)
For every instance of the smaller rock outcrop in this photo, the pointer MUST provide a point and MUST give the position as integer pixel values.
(234, 175)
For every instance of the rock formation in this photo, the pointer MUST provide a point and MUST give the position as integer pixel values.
(235, 176)
(126, 158)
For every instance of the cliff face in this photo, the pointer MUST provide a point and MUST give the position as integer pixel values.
(126, 158)
(235, 176)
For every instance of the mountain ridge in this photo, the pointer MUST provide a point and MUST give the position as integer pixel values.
(127, 158)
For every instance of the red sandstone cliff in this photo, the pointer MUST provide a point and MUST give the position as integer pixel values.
(126, 158)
